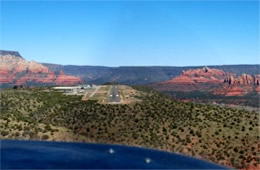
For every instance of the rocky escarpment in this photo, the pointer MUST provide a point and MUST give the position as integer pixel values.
(193, 79)
(11, 53)
(244, 79)
(15, 70)
(239, 86)
(214, 81)
(204, 75)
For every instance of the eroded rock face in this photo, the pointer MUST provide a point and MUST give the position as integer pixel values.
(194, 79)
(257, 79)
(14, 69)
(212, 80)
(34, 67)
(257, 83)
(204, 75)
(64, 79)
(239, 86)
(244, 79)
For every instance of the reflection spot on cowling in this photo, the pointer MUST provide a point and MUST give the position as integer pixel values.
(147, 160)
(111, 151)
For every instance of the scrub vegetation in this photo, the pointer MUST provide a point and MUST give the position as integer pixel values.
(227, 136)
(250, 100)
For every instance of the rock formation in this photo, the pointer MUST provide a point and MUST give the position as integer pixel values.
(193, 79)
(15, 70)
(244, 79)
(212, 80)
(66, 79)
(239, 86)
(204, 75)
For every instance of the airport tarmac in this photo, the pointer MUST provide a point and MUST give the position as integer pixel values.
(114, 95)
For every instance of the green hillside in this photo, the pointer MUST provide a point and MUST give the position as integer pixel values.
(222, 135)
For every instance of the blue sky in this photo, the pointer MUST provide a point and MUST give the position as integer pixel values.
(132, 33)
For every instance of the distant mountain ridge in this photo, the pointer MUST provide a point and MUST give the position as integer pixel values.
(15, 69)
(140, 75)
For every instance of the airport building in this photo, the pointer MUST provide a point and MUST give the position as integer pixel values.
(74, 89)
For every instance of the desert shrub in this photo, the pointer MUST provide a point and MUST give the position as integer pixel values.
(4, 133)
(45, 137)
(17, 134)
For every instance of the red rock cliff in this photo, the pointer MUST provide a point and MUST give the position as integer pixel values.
(239, 86)
(212, 80)
(193, 79)
(204, 75)
(14, 69)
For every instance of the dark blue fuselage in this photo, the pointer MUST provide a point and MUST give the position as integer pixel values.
(68, 155)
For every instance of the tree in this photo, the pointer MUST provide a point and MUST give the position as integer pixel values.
(4, 133)
(17, 134)
(45, 137)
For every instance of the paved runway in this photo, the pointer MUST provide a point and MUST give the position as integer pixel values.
(114, 95)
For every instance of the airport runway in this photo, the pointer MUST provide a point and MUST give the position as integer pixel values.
(114, 95)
